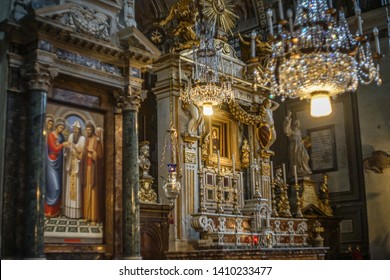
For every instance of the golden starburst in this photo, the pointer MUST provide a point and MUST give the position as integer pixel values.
(221, 12)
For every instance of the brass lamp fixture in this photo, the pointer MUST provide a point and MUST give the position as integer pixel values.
(172, 185)
(317, 57)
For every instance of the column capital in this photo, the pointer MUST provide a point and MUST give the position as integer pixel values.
(38, 75)
(129, 99)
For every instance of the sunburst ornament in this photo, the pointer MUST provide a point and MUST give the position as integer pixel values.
(221, 12)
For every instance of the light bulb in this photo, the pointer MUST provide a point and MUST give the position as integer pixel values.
(320, 105)
(207, 109)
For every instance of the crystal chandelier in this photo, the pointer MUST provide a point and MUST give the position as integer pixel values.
(207, 88)
(317, 57)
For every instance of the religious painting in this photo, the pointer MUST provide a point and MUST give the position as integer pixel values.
(216, 139)
(74, 201)
(322, 149)
(219, 139)
(223, 139)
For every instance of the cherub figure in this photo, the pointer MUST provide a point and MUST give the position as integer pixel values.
(182, 16)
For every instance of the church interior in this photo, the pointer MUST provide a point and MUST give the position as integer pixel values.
(195, 129)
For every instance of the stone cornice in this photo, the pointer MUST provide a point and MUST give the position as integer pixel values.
(67, 35)
(139, 49)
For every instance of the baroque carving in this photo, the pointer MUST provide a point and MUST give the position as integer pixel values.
(190, 158)
(86, 20)
(377, 162)
(243, 116)
(144, 162)
(38, 75)
(245, 154)
(126, 17)
(196, 121)
(129, 100)
(179, 24)
(205, 146)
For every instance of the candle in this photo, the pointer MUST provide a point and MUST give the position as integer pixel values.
(200, 158)
(179, 72)
(280, 10)
(253, 172)
(388, 24)
(290, 20)
(284, 173)
(219, 162)
(272, 171)
(377, 45)
(232, 69)
(269, 19)
(234, 163)
(295, 174)
(358, 13)
(330, 4)
(253, 44)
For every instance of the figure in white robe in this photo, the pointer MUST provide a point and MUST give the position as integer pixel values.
(73, 188)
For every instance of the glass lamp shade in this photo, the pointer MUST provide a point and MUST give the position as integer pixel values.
(320, 105)
(207, 109)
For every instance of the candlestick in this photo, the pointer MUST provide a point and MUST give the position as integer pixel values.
(295, 174)
(270, 25)
(284, 173)
(272, 171)
(280, 10)
(219, 162)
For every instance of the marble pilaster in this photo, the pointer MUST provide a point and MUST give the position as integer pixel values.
(130, 176)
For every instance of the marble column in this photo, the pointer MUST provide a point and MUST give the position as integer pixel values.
(130, 173)
(12, 202)
(34, 192)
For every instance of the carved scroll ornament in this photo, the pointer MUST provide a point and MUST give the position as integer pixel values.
(377, 162)
(88, 21)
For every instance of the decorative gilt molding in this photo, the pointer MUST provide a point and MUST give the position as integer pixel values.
(146, 193)
(39, 76)
(241, 115)
(190, 157)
